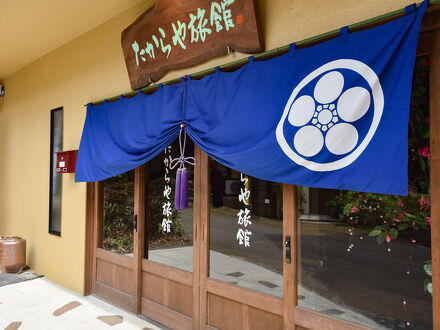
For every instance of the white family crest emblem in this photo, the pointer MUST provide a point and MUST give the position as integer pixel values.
(322, 115)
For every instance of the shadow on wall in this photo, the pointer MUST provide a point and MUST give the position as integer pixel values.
(29, 255)
(4, 131)
(1, 98)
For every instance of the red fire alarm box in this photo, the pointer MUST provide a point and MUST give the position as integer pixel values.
(66, 161)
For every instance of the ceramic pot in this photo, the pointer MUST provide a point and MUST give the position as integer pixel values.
(12, 254)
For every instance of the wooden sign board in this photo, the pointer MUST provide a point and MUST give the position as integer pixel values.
(182, 33)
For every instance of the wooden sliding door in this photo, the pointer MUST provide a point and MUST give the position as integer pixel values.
(114, 240)
(169, 260)
(246, 268)
(190, 269)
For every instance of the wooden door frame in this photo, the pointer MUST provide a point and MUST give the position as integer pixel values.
(290, 281)
(434, 90)
(202, 234)
(94, 200)
(139, 235)
(88, 251)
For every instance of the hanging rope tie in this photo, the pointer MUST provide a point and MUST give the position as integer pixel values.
(181, 190)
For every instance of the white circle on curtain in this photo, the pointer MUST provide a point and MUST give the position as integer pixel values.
(302, 110)
(341, 138)
(325, 116)
(353, 104)
(329, 87)
(308, 141)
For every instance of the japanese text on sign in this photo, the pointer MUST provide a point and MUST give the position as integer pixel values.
(244, 216)
(166, 206)
(199, 25)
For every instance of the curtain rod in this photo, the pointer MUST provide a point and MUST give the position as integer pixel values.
(271, 53)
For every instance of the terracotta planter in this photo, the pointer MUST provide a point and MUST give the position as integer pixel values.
(12, 254)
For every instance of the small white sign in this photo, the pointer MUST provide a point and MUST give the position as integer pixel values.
(62, 164)
(266, 201)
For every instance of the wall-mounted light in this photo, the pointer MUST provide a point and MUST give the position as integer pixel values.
(2, 90)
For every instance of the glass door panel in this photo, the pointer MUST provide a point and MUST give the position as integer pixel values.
(118, 214)
(246, 230)
(168, 232)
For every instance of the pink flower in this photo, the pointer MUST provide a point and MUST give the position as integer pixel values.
(400, 203)
(428, 220)
(361, 196)
(413, 240)
(425, 152)
(354, 209)
(410, 191)
(399, 217)
(423, 202)
(388, 238)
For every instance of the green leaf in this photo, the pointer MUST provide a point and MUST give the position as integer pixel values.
(347, 209)
(393, 232)
(380, 239)
(428, 269)
(375, 232)
(426, 135)
(403, 226)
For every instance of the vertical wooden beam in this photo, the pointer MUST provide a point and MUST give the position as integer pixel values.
(434, 91)
(196, 234)
(88, 267)
(97, 221)
(138, 248)
(147, 214)
(289, 269)
(204, 238)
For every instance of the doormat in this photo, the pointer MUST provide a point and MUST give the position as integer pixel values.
(27, 275)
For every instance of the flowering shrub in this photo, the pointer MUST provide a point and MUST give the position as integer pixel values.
(409, 214)
(391, 215)
(387, 213)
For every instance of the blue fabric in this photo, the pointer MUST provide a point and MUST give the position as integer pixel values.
(334, 115)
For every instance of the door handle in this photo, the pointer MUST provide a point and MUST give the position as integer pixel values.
(135, 223)
(287, 244)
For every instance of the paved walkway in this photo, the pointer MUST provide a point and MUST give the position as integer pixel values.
(43, 304)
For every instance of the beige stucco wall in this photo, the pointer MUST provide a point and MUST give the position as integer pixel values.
(91, 67)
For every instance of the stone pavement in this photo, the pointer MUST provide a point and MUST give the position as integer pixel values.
(25, 275)
(43, 304)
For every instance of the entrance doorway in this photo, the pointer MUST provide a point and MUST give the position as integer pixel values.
(226, 262)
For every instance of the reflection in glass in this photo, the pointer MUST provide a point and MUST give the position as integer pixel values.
(56, 136)
(356, 267)
(168, 232)
(118, 213)
(365, 257)
(246, 231)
